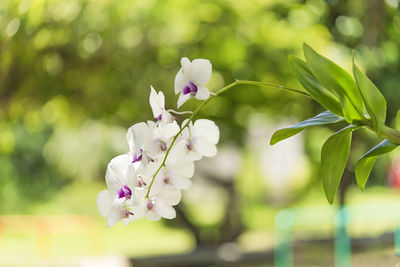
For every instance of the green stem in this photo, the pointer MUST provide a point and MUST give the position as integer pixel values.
(212, 96)
(390, 134)
(263, 84)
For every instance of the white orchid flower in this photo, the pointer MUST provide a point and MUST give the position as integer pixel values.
(177, 174)
(158, 140)
(191, 80)
(137, 136)
(157, 104)
(197, 140)
(159, 204)
(117, 201)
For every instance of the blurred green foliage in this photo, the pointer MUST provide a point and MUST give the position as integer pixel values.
(74, 75)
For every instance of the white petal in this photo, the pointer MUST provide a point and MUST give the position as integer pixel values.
(170, 195)
(104, 202)
(193, 155)
(131, 176)
(116, 173)
(182, 99)
(157, 102)
(158, 184)
(180, 81)
(113, 218)
(136, 135)
(202, 93)
(116, 212)
(204, 148)
(206, 130)
(182, 168)
(178, 151)
(138, 212)
(181, 183)
(186, 66)
(168, 130)
(152, 216)
(200, 71)
(138, 195)
(164, 210)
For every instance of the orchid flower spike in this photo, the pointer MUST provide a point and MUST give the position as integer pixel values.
(191, 80)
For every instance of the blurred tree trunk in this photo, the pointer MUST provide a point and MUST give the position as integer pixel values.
(373, 22)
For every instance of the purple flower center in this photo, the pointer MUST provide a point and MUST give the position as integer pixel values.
(166, 179)
(127, 213)
(163, 146)
(140, 183)
(190, 88)
(189, 145)
(125, 192)
(137, 157)
(159, 117)
(150, 205)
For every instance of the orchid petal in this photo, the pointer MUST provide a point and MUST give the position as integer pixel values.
(181, 183)
(206, 149)
(103, 202)
(182, 99)
(180, 81)
(116, 173)
(157, 102)
(207, 130)
(136, 135)
(186, 66)
(200, 71)
(116, 212)
(202, 93)
(164, 210)
(168, 130)
(170, 195)
(184, 168)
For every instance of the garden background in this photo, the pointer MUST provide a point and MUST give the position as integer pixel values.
(74, 75)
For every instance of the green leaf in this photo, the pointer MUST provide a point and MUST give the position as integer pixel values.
(338, 81)
(334, 154)
(323, 118)
(397, 121)
(314, 88)
(366, 162)
(374, 101)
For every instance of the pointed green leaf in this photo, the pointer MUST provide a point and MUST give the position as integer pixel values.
(314, 88)
(365, 164)
(374, 101)
(334, 154)
(338, 81)
(323, 118)
(397, 121)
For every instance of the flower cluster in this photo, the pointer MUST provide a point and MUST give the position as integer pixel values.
(148, 179)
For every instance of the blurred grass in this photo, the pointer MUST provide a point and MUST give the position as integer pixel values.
(58, 236)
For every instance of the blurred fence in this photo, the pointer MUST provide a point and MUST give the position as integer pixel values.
(31, 237)
(366, 219)
(38, 236)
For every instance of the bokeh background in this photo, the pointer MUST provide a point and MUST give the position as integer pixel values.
(75, 74)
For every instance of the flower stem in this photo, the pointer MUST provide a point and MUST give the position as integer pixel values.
(212, 96)
(263, 84)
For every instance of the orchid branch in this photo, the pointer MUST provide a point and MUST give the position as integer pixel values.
(212, 96)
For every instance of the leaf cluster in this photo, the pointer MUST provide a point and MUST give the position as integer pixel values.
(354, 100)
